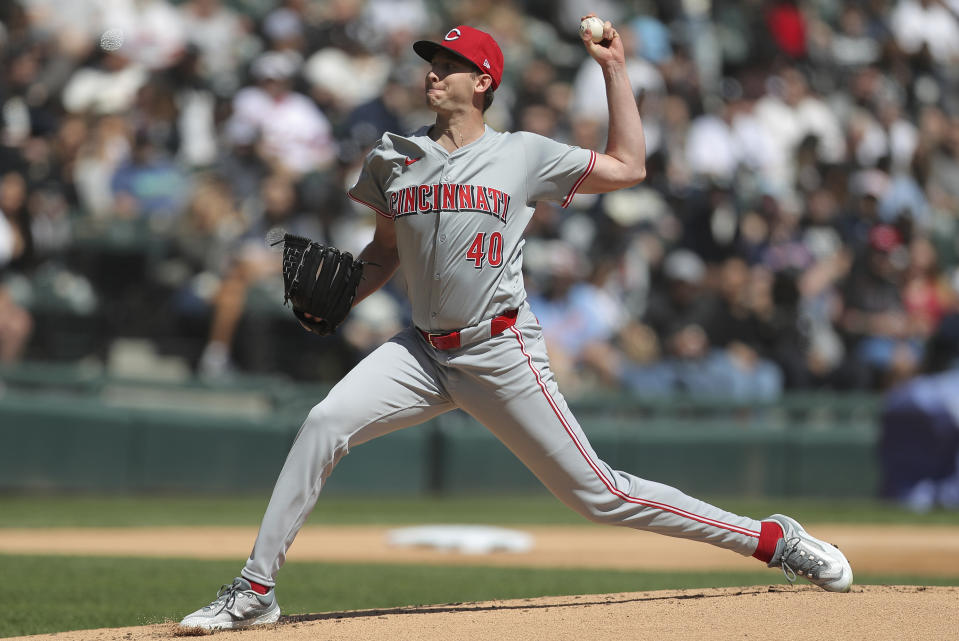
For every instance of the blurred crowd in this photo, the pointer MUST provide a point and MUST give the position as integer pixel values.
(797, 230)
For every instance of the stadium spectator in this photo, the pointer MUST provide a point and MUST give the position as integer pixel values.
(149, 185)
(927, 294)
(295, 135)
(392, 20)
(574, 312)
(21, 248)
(223, 38)
(106, 146)
(16, 323)
(251, 262)
(789, 113)
(341, 79)
(204, 239)
(852, 47)
(108, 84)
(882, 341)
(926, 29)
(153, 32)
(787, 25)
(937, 159)
(726, 138)
(390, 111)
(737, 328)
(242, 161)
(676, 314)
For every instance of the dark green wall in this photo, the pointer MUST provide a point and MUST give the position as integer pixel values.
(61, 441)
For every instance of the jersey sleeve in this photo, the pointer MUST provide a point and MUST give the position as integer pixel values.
(369, 187)
(555, 171)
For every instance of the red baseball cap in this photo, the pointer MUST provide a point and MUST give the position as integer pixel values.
(466, 42)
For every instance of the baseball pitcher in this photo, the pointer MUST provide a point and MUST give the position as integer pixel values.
(452, 201)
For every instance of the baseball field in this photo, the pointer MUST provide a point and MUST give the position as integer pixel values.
(121, 567)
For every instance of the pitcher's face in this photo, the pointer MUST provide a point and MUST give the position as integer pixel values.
(450, 82)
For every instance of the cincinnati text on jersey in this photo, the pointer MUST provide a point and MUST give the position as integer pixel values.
(449, 197)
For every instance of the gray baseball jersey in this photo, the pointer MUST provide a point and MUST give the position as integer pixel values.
(459, 221)
(460, 216)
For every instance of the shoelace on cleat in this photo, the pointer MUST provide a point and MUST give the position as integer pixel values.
(225, 597)
(804, 564)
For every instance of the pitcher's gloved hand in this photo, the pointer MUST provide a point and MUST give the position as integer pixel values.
(320, 282)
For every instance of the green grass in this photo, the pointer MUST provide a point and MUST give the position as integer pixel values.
(54, 594)
(121, 510)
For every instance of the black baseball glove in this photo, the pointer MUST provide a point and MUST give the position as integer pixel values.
(320, 281)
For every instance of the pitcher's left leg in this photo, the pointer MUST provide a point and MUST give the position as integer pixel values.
(517, 399)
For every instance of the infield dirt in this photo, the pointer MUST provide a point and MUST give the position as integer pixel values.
(867, 613)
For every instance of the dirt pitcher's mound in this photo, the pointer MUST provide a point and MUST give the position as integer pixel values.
(868, 613)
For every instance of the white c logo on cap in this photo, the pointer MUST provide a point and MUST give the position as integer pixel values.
(454, 34)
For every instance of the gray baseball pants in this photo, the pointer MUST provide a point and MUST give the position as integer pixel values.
(506, 384)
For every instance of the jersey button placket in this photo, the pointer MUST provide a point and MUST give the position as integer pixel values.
(435, 295)
(436, 275)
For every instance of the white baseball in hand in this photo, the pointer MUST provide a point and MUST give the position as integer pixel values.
(111, 39)
(593, 26)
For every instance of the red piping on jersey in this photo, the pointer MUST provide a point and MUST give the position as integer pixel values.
(589, 170)
(363, 202)
(602, 477)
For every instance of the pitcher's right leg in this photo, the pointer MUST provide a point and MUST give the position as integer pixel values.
(396, 386)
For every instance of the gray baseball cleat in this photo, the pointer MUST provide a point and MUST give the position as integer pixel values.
(798, 553)
(235, 606)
